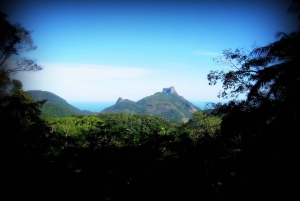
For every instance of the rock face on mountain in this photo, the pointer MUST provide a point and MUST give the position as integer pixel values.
(170, 90)
(167, 104)
(120, 100)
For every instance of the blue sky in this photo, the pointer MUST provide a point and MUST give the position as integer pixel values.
(98, 51)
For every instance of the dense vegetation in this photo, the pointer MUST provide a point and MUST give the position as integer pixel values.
(250, 151)
(54, 110)
(128, 155)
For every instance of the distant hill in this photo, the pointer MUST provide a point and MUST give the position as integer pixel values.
(167, 104)
(55, 105)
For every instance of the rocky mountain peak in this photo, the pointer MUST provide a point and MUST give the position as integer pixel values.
(120, 100)
(170, 90)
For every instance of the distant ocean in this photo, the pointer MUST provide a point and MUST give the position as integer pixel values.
(202, 104)
(92, 106)
(99, 106)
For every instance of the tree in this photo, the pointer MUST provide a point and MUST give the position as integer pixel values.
(258, 133)
(24, 134)
(266, 73)
(14, 40)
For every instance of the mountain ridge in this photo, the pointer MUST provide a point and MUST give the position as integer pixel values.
(167, 104)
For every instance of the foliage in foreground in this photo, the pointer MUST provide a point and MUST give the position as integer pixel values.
(259, 133)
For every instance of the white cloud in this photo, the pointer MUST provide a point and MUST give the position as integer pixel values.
(83, 81)
(98, 83)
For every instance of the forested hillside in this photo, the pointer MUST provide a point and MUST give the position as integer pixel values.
(169, 106)
(160, 104)
(55, 106)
